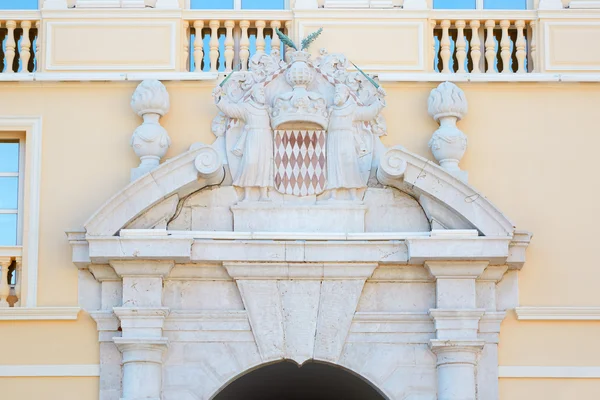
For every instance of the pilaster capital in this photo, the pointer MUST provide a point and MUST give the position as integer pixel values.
(143, 268)
(493, 273)
(138, 322)
(103, 272)
(144, 350)
(489, 326)
(107, 324)
(5, 262)
(456, 269)
(456, 324)
(456, 351)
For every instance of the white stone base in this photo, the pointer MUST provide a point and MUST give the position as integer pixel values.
(335, 217)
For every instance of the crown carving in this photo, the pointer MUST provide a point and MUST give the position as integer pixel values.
(300, 105)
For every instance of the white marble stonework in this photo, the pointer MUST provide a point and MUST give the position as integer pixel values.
(196, 276)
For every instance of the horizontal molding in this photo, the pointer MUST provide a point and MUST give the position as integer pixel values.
(39, 313)
(212, 76)
(558, 313)
(549, 372)
(107, 76)
(66, 370)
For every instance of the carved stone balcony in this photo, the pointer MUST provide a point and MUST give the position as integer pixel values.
(397, 44)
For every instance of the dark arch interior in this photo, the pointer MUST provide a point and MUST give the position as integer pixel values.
(287, 381)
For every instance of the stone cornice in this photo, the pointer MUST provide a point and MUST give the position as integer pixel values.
(410, 250)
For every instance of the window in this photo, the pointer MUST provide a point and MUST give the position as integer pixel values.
(485, 4)
(18, 4)
(238, 4)
(11, 190)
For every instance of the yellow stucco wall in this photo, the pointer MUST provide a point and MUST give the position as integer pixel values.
(532, 151)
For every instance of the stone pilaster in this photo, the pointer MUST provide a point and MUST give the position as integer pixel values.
(456, 317)
(142, 318)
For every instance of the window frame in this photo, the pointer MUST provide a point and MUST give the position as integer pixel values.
(21, 182)
(30, 131)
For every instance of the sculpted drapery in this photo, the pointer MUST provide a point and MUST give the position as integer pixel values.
(343, 146)
(255, 145)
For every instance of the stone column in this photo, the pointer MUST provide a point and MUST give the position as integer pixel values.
(107, 324)
(489, 331)
(142, 317)
(456, 319)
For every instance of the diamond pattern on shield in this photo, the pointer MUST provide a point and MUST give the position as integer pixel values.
(300, 162)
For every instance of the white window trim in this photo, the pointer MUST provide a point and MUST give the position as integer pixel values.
(31, 157)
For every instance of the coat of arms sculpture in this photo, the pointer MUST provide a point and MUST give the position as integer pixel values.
(302, 127)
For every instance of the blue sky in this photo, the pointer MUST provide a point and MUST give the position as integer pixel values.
(489, 4)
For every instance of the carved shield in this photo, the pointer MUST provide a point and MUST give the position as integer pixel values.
(300, 167)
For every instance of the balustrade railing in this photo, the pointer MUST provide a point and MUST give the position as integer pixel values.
(484, 45)
(225, 44)
(10, 281)
(20, 50)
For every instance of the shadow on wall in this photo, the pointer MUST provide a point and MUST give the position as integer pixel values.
(286, 380)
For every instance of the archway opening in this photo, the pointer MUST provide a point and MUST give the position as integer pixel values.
(287, 381)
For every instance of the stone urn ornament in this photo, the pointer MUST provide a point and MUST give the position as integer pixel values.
(150, 141)
(447, 105)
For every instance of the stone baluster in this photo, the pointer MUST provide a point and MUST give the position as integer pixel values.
(533, 59)
(186, 46)
(9, 52)
(244, 44)
(475, 46)
(275, 41)
(520, 44)
(433, 25)
(4, 284)
(447, 105)
(25, 46)
(445, 46)
(505, 47)
(490, 46)
(38, 46)
(461, 45)
(198, 45)
(142, 316)
(260, 36)
(18, 278)
(214, 44)
(229, 43)
(456, 318)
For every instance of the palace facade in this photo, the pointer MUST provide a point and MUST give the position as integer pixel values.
(357, 199)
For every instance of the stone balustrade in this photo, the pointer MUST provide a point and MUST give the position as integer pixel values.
(10, 281)
(21, 44)
(484, 45)
(225, 44)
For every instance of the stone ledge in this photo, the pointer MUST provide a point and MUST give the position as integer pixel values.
(39, 313)
(558, 313)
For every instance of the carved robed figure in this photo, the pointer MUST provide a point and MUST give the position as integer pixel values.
(255, 145)
(344, 146)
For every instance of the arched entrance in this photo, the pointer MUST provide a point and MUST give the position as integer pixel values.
(287, 381)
